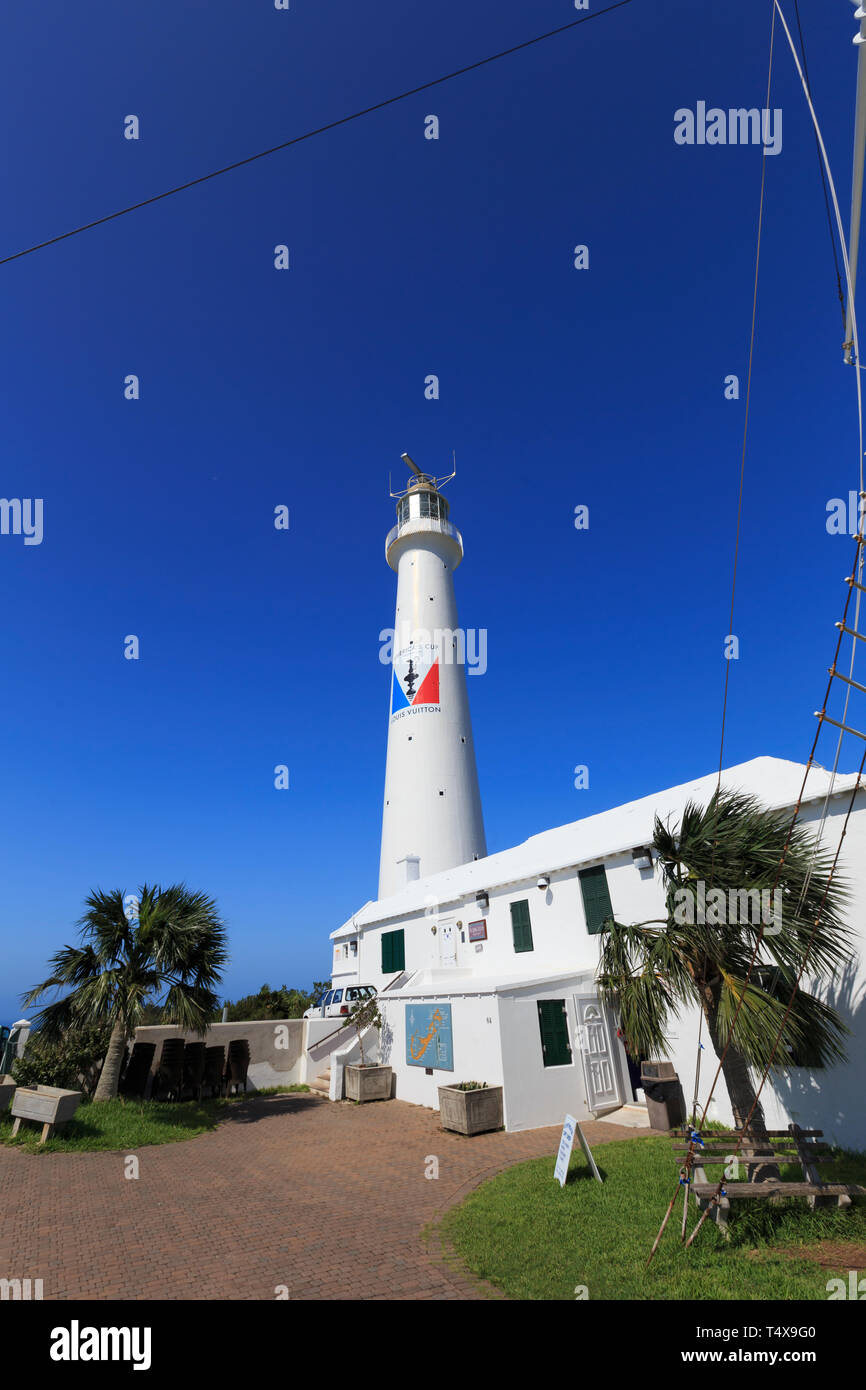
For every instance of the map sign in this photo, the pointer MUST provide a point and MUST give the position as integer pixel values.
(428, 1036)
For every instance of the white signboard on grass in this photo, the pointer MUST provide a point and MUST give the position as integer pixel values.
(566, 1144)
(569, 1129)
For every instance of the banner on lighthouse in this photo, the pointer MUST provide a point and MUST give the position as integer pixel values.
(415, 679)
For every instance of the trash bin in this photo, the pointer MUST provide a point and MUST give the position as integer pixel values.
(666, 1104)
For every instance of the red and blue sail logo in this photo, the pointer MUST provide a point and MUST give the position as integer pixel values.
(415, 680)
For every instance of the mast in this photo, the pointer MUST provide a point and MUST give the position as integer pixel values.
(856, 177)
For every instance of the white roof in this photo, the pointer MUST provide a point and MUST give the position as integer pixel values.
(775, 781)
(432, 982)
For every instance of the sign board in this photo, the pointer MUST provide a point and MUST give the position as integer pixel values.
(566, 1144)
(478, 930)
(429, 1041)
(587, 1152)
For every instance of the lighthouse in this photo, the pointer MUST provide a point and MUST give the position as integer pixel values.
(432, 817)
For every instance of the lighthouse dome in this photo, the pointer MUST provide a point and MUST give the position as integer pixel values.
(422, 508)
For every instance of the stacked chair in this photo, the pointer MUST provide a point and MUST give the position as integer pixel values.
(193, 1068)
(169, 1073)
(138, 1069)
(237, 1064)
(214, 1067)
(187, 1069)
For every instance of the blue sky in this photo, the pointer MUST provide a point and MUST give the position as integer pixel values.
(558, 387)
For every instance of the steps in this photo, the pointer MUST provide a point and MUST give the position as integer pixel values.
(322, 1083)
(632, 1115)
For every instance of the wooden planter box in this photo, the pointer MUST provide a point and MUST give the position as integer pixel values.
(49, 1106)
(471, 1112)
(368, 1083)
(7, 1091)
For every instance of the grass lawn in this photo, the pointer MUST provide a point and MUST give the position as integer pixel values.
(130, 1124)
(534, 1240)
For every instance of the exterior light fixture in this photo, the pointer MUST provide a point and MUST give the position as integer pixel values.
(483, 901)
(642, 858)
(544, 882)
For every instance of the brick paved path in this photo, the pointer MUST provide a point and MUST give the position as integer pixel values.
(327, 1199)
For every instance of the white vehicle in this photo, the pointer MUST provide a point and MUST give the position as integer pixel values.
(337, 1003)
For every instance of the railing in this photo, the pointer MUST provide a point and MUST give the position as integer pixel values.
(419, 524)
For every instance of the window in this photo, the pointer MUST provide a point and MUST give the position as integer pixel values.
(596, 898)
(329, 996)
(521, 928)
(338, 996)
(553, 1026)
(393, 952)
(352, 996)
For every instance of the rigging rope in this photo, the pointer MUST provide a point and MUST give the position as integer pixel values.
(854, 582)
(320, 130)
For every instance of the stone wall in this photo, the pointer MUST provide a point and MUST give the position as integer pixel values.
(277, 1055)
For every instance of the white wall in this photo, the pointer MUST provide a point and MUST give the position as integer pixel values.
(832, 1100)
(558, 928)
(535, 1094)
(477, 1055)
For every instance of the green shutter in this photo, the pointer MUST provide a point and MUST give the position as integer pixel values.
(596, 898)
(553, 1025)
(393, 952)
(521, 927)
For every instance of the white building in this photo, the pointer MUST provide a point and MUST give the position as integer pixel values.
(509, 944)
(486, 964)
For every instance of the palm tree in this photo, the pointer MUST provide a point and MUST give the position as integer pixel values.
(172, 950)
(651, 970)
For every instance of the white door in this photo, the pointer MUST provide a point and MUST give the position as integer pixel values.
(447, 944)
(599, 1068)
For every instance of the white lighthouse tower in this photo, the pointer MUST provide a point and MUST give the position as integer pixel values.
(432, 815)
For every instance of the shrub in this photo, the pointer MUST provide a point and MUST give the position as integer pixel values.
(74, 1063)
(268, 1003)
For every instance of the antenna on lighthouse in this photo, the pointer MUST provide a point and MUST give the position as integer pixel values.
(421, 477)
(410, 463)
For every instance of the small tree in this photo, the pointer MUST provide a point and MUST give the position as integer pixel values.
(650, 971)
(365, 1014)
(172, 950)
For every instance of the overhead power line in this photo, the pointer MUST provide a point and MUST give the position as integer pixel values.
(309, 134)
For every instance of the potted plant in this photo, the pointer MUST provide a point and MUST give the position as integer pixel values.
(366, 1080)
(470, 1107)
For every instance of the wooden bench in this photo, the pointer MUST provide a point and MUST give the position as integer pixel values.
(791, 1145)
